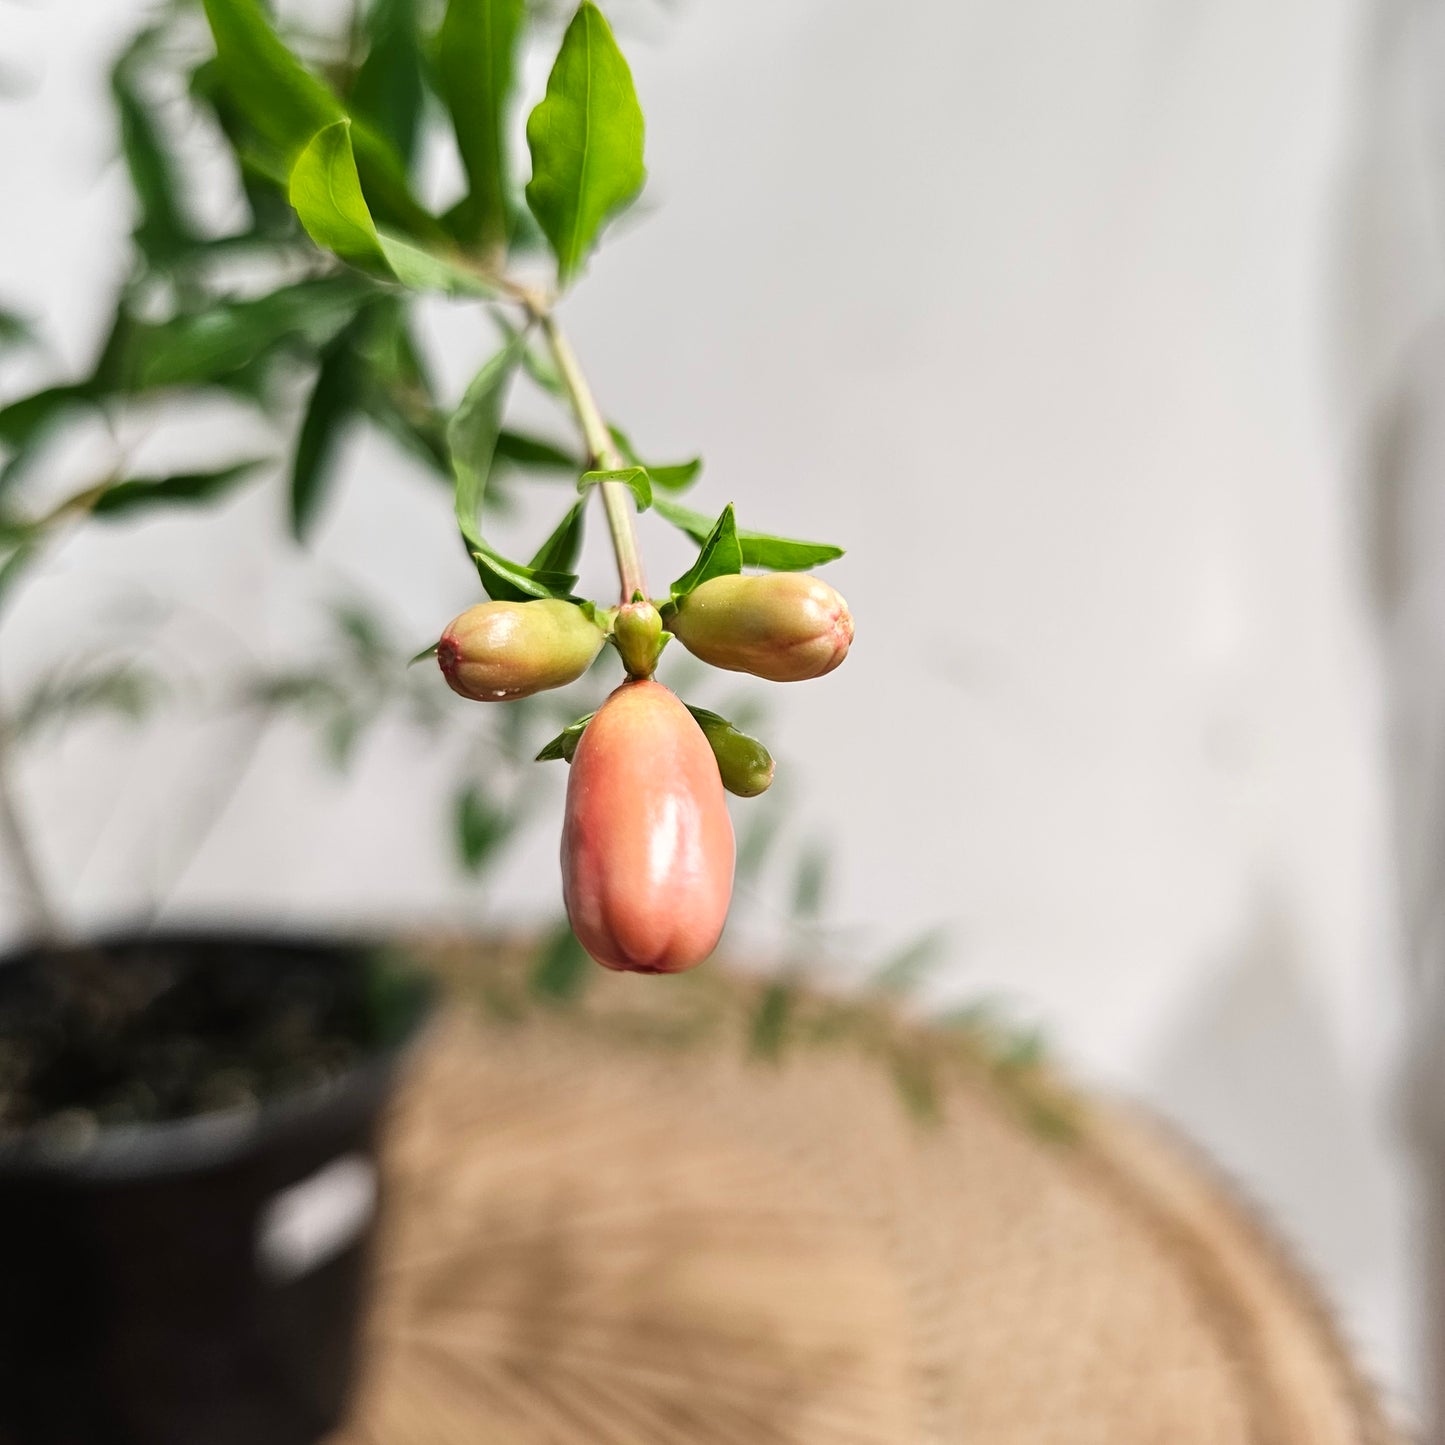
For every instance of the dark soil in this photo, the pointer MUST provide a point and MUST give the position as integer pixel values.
(143, 1030)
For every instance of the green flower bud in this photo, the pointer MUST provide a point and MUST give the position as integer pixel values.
(785, 626)
(637, 632)
(498, 651)
(744, 764)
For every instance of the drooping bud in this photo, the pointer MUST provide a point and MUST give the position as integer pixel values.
(647, 846)
(745, 765)
(637, 633)
(784, 626)
(498, 651)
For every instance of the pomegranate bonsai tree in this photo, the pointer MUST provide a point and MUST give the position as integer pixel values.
(647, 845)
(325, 132)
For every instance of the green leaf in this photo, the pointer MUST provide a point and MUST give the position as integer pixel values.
(23, 421)
(526, 451)
(769, 1031)
(810, 882)
(14, 567)
(564, 745)
(670, 476)
(284, 105)
(163, 230)
(476, 62)
(472, 437)
(390, 86)
(332, 403)
(481, 827)
(212, 346)
(586, 140)
(560, 551)
(901, 974)
(325, 189)
(916, 1080)
(422, 270)
(563, 967)
(188, 489)
(756, 842)
(15, 331)
(635, 478)
(777, 554)
(721, 555)
(280, 99)
(425, 655)
(396, 389)
(122, 689)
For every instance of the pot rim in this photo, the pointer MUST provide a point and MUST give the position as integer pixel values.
(200, 1142)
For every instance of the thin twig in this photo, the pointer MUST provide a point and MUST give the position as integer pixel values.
(603, 453)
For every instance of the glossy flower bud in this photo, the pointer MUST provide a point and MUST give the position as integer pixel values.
(784, 626)
(637, 634)
(647, 845)
(744, 764)
(497, 651)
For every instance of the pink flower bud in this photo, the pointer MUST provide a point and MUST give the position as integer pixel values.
(783, 626)
(647, 846)
(498, 651)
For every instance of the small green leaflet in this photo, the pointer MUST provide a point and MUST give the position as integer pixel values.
(191, 488)
(540, 368)
(563, 968)
(586, 139)
(23, 420)
(777, 554)
(670, 476)
(163, 228)
(810, 882)
(769, 1031)
(564, 745)
(527, 451)
(721, 556)
(210, 347)
(333, 401)
(560, 551)
(902, 973)
(472, 440)
(15, 330)
(15, 565)
(390, 87)
(481, 827)
(425, 655)
(635, 478)
(476, 61)
(280, 99)
(325, 190)
(285, 105)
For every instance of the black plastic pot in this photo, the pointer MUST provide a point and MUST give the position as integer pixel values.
(197, 1281)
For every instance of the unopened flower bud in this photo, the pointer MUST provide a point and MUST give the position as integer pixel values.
(745, 765)
(498, 651)
(784, 626)
(637, 632)
(647, 846)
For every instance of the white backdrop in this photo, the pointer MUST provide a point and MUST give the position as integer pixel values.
(1058, 315)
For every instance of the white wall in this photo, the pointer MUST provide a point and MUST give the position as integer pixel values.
(1037, 307)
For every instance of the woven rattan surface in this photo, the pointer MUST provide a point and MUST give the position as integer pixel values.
(710, 1214)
